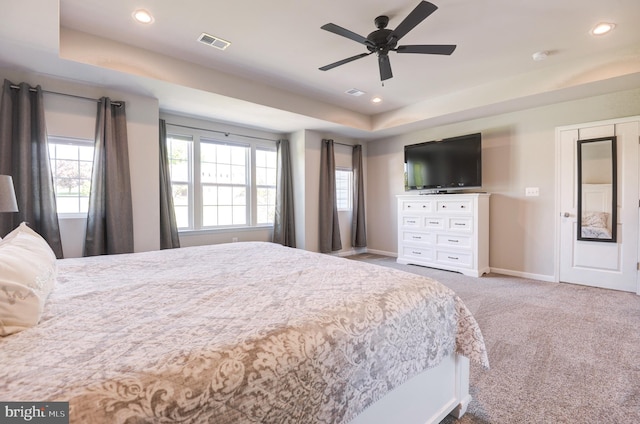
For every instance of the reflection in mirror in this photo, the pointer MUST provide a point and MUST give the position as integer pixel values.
(597, 203)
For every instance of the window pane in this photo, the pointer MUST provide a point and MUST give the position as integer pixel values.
(239, 215)
(208, 152)
(209, 195)
(225, 196)
(180, 194)
(343, 189)
(71, 166)
(224, 173)
(208, 172)
(225, 215)
(238, 174)
(182, 216)
(209, 216)
(238, 155)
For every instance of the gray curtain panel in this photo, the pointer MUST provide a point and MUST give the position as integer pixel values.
(169, 238)
(329, 237)
(358, 226)
(284, 226)
(24, 154)
(110, 218)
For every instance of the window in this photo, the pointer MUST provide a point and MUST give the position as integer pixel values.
(180, 151)
(219, 183)
(343, 188)
(266, 161)
(71, 166)
(225, 183)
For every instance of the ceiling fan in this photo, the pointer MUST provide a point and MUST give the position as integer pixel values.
(384, 40)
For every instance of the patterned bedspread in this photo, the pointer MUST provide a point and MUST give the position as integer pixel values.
(235, 333)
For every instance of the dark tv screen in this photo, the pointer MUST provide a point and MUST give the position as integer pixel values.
(450, 164)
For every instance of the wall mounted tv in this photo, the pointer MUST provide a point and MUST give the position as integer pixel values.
(450, 164)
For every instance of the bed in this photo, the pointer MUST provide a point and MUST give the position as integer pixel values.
(243, 333)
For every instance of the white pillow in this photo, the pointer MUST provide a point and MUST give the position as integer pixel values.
(27, 276)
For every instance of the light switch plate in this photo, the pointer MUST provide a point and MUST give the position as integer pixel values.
(532, 191)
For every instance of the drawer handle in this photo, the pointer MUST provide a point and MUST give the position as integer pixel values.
(460, 224)
(424, 206)
(416, 253)
(453, 241)
(408, 206)
(461, 206)
(416, 237)
(434, 223)
(453, 258)
(444, 206)
(411, 221)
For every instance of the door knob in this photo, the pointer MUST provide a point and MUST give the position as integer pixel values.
(566, 214)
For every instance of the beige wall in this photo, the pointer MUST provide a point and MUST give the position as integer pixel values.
(518, 152)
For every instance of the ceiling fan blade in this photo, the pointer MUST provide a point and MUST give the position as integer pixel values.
(417, 15)
(385, 67)
(346, 33)
(343, 61)
(427, 49)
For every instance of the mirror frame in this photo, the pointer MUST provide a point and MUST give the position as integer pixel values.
(614, 190)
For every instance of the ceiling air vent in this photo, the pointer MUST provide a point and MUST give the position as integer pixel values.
(354, 92)
(212, 41)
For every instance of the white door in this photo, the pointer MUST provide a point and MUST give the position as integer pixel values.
(601, 264)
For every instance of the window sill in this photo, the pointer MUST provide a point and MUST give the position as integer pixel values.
(224, 230)
(72, 216)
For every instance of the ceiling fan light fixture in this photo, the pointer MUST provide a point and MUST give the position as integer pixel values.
(603, 28)
(142, 16)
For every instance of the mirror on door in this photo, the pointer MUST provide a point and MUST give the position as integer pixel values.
(597, 203)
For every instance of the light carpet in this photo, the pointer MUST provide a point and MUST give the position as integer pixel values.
(559, 353)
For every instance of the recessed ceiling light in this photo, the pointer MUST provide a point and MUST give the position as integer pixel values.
(142, 16)
(541, 55)
(602, 28)
(376, 99)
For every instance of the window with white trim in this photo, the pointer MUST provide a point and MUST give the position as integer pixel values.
(344, 178)
(71, 165)
(219, 183)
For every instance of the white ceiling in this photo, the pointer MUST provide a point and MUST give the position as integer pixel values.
(269, 78)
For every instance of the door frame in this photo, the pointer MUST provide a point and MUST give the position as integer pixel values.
(557, 211)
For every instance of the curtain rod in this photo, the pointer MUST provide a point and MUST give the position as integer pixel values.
(226, 133)
(342, 144)
(17, 87)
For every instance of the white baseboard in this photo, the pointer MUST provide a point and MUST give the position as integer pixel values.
(540, 277)
(383, 253)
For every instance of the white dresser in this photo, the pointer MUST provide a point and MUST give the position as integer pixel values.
(446, 231)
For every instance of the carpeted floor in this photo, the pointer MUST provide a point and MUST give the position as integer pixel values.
(559, 353)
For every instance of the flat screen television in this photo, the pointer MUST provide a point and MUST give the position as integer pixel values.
(450, 164)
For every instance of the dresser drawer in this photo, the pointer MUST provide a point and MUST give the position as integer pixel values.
(455, 206)
(417, 206)
(411, 236)
(453, 240)
(454, 258)
(460, 224)
(424, 253)
(411, 221)
(434, 223)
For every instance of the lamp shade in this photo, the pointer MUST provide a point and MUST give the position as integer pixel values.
(7, 195)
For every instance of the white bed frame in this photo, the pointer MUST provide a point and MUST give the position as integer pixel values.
(426, 398)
